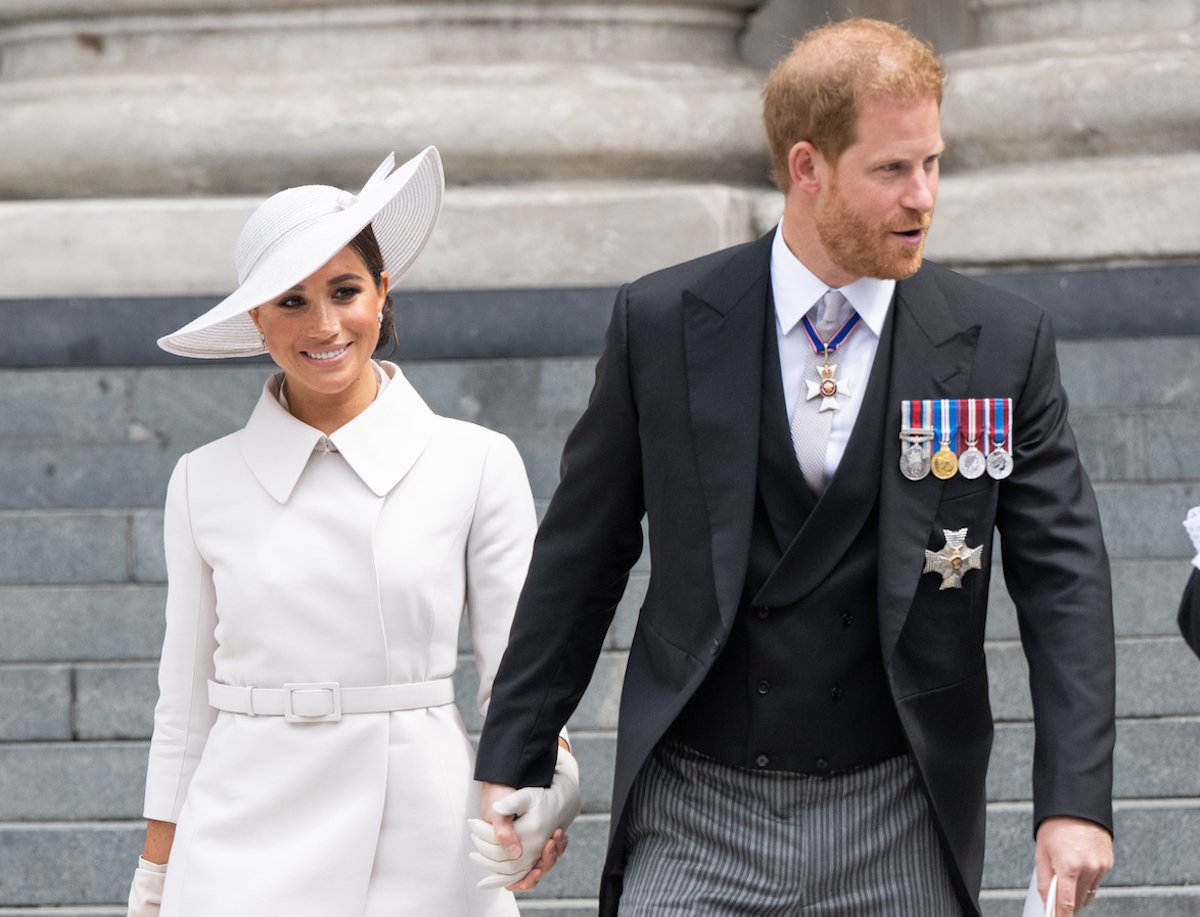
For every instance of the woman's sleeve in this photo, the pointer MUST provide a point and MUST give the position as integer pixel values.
(498, 549)
(182, 717)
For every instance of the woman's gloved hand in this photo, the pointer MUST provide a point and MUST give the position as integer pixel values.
(145, 894)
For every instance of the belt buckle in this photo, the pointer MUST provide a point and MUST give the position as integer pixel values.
(299, 698)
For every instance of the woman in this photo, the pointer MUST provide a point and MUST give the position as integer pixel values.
(307, 756)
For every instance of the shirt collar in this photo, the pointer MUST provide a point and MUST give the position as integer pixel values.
(380, 445)
(796, 288)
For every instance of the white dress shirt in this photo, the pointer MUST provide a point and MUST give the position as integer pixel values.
(797, 291)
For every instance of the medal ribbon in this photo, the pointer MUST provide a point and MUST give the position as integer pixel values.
(972, 422)
(834, 342)
(949, 432)
(1001, 425)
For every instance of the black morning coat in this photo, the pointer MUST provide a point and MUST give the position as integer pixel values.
(671, 433)
(1189, 612)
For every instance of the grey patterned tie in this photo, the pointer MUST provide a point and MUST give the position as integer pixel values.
(810, 425)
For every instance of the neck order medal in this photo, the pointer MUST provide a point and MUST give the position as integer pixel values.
(827, 386)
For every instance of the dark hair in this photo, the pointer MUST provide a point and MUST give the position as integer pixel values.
(366, 246)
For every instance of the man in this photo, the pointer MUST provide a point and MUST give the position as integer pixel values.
(804, 725)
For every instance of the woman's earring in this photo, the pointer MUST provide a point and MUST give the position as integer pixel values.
(381, 319)
(263, 338)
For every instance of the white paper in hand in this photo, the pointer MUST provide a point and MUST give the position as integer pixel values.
(1192, 525)
(1033, 901)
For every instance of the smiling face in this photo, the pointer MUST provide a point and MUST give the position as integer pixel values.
(876, 203)
(322, 333)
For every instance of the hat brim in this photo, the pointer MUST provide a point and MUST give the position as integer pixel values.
(402, 209)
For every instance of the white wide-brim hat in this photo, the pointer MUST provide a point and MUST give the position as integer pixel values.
(297, 231)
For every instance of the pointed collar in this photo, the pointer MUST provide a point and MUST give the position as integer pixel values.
(796, 288)
(380, 445)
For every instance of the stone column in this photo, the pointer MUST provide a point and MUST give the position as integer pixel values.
(1073, 129)
(583, 142)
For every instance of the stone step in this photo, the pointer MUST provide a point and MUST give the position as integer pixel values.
(1113, 901)
(109, 438)
(68, 780)
(1140, 445)
(73, 547)
(69, 546)
(1157, 677)
(1120, 373)
(102, 855)
(65, 780)
(92, 623)
(124, 621)
(1144, 901)
(180, 407)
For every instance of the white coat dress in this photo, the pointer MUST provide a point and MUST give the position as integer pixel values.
(353, 566)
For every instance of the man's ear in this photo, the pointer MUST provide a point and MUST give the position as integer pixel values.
(805, 167)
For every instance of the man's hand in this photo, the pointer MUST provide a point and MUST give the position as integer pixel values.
(1079, 852)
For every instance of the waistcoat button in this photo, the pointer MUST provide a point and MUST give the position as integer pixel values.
(764, 686)
(762, 760)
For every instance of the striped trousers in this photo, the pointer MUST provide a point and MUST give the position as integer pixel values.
(704, 838)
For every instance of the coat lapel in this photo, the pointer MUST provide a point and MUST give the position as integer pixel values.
(723, 327)
(933, 356)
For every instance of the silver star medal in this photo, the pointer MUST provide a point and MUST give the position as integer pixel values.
(954, 559)
(827, 388)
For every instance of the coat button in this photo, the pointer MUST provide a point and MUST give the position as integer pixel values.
(847, 619)
(762, 760)
(762, 611)
(764, 686)
(835, 692)
(822, 764)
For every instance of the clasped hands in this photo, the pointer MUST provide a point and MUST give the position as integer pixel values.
(523, 832)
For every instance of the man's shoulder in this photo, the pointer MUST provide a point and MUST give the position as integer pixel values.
(972, 294)
(698, 272)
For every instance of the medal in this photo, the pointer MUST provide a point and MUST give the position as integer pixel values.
(954, 559)
(971, 463)
(944, 463)
(827, 386)
(916, 437)
(998, 422)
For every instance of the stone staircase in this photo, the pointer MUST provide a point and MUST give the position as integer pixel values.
(83, 468)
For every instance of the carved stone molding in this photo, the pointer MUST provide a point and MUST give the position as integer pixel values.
(163, 97)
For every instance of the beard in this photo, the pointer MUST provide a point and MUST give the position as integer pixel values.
(863, 249)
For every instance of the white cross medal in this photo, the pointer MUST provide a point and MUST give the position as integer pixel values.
(954, 559)
(827, 387)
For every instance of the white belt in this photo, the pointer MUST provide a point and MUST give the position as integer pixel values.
(327, 701)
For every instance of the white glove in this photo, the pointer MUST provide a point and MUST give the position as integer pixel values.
(1192, 525)
(539, 812)
(145, 894)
